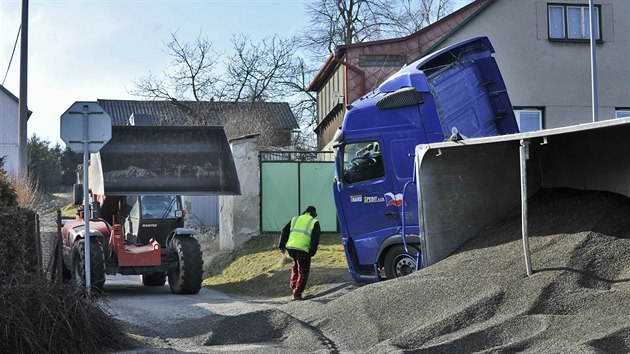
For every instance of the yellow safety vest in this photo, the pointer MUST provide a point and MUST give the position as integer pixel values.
(300, 235)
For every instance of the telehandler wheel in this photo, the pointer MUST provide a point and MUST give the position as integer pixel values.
(398, 263)
(97, 265)
(186, 279)
(154, 279)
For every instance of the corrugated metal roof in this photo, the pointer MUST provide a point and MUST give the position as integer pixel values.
(210, 113)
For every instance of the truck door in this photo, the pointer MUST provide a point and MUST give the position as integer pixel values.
(364, 196)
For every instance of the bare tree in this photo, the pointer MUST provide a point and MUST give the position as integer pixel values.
(405, 17)
(248, 119)
(259, 71)
(190, 75)
(334, 22)
(342, 22)
(303, 104)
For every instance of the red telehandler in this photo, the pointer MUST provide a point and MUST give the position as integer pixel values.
(137, 217)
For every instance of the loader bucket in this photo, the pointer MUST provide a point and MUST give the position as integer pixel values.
(184, 160)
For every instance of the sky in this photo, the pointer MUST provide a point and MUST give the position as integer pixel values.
(94, 49)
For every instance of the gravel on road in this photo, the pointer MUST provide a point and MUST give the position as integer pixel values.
(477, 300)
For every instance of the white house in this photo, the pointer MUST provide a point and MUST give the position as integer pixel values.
(9, 137)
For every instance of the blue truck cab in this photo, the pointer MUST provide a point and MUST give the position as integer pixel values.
(452, 94)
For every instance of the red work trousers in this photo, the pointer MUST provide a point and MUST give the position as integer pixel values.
(299, 272)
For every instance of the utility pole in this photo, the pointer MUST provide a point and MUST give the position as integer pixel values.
(23, 114)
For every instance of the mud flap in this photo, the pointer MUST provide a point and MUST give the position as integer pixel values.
(141, 160)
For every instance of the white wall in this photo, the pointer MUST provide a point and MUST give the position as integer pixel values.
(9, 110)
(240, 215)
(556, 75)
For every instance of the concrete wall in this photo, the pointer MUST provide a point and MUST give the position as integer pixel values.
(9, 111)
(556, 75)
(240, 215)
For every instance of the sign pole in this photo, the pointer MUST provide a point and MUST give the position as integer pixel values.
(85, 128)
(86, 198)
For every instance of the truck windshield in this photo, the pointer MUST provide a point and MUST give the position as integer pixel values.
(158, 206)
(362, 162)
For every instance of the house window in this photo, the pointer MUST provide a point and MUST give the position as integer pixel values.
(572, 22)
(622, 112)
(528, 119)
(366, 60)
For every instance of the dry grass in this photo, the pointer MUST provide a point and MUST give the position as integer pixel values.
(37, 316)
(259, 269)
(26, 189)
(69, 211)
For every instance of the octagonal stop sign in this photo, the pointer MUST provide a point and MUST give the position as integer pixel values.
(75, 133)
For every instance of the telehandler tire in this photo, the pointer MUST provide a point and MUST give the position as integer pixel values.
(154, 279)
(97, 265)
(187, 277)
(398, 263)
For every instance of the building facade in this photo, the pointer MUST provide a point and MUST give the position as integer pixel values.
(9, 134)
(543, 51)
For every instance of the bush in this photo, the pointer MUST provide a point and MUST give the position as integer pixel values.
(17, 232)
(37, 316)
(8, 197)
(18, 249)
(26, 191)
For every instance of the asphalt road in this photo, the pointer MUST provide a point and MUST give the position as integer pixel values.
(180, 323)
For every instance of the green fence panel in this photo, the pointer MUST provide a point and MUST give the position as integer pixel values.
(316, 183)
(279, 182)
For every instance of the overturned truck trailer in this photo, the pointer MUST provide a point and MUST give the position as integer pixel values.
(465, 186)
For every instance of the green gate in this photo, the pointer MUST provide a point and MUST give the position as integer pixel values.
(291, 181)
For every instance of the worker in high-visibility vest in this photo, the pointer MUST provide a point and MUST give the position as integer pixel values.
(300, 238)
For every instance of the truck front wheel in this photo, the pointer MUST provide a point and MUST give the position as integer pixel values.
(398, 263)
(187, 277)
(97, 265)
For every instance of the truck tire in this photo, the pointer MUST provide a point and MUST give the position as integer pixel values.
(398, 263)
(154, 279)
(187, 277)
(97, 265)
